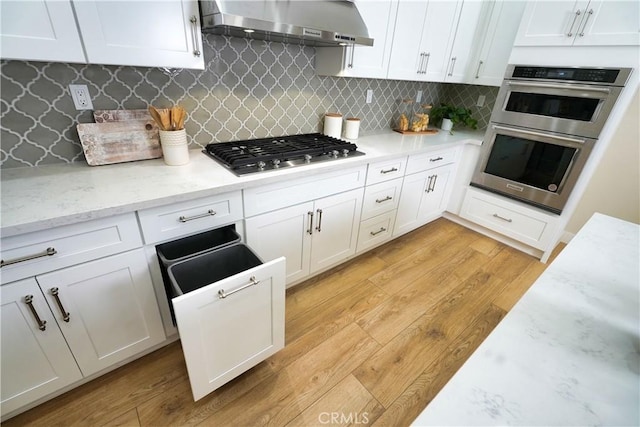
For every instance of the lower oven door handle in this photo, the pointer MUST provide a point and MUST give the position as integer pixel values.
(560, 86)
(542, 134)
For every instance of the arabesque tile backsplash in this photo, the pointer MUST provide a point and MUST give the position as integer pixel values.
(249, 89)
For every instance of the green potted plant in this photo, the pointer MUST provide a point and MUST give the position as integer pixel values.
(452, 116)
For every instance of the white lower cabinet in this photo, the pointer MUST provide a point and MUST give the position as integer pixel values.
(36, 360)
(312, 235)
(423, 198)
(375, 231)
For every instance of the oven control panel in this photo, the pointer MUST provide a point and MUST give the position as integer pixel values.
(591, 75)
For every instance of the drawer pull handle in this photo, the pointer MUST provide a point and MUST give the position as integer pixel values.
(42, 324)
(65, 314)
(319, 227)
(375, 233)
(437, 159)
(210, 212)
(310, 229)
(502, 218)
(384, 200)
(47, 252)
(252, 281)
(389, 170)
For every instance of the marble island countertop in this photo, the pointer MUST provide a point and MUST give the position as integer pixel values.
(568, 353)
(43, 197)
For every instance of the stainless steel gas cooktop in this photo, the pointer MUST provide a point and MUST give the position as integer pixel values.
(267, 154)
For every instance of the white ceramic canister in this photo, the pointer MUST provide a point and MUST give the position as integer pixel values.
(175, 149)
(333, 125)
(351, 127)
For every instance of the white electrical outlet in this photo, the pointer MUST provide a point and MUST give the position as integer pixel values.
(369, 96)
(419, 96)
(481, 100)
(81, 98)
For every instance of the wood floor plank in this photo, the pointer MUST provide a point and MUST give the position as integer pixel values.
(347, 403)
(417, 396)
(128, 419)
(517, 287)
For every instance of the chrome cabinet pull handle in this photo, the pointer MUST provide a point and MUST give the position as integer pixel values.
(389, 170)
(435, 179)
(353, 49)
(210, 212)
(431, 185)
(310, 229)
(570, 33)
(252, 282)
(65, 314)
(428, 190)
(375, 233)
(437, 159)
(319, 227)
(420, 63)
(453, 64)
(41, 323)
(46, 252)
(426, 64)
(586, 19)
(478, 70)
(194, 33)
(384, 200)
(502, 218)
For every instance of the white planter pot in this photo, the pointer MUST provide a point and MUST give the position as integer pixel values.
(446, 124)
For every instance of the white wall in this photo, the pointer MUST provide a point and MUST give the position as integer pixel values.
(614, 187)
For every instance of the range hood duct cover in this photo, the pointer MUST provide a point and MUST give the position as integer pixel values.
(310, 22)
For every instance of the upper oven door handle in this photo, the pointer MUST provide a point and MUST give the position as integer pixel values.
(561, 86)
(540, 134)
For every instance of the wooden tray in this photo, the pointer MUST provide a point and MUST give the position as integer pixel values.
(424, 132)
(124, 136)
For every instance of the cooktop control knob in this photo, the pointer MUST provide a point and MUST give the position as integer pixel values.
(307, 158)
(261, 165)
(345, 152)
(334, 154)
(275, 162)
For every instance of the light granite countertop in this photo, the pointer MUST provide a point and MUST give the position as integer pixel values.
(568, 353)
(38, 198)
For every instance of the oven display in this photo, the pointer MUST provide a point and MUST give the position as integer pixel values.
(537, 164)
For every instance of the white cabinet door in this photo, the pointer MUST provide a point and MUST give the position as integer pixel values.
(35, 362)
(461, 55)
(500, 27)
(43, 30)
(407, 56)
(111, 306)
(145, 33)
(222, 337)
(286, 232)
(433, 201)
(613, 23)
(363, 61)
(550, 23)
(335, 232)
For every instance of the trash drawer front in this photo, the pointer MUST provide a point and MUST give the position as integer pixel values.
(232, 325)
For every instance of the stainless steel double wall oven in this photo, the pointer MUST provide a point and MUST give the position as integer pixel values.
(544, 125)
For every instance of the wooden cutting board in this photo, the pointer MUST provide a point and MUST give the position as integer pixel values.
(124, 136)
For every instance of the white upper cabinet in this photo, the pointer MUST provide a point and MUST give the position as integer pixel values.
(363, 61)
(460, 57)
(153, 34)
(587, 23)
(499, 26)
(145, 33)
(39, 30)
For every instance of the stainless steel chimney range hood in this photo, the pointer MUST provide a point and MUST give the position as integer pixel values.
(309, 22)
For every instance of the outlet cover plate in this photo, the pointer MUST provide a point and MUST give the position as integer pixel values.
(81, 97)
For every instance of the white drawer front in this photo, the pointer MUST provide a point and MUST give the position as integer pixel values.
(526, 225)
(283, 194)
(425, 161)
(375, 231)
(179, 219)
(386, 170)
(73, 244)
(381, 198)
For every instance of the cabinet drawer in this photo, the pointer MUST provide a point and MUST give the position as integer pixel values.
(376, 230)
(381, 198)
(522, 223)
(425, 161)
(386, 170)
(68, 245)
(283, 194)
(179, 219)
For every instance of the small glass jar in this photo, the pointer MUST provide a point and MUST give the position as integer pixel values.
(420, 118)
(405, 109)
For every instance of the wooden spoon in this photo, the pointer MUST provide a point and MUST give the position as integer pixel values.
(165, 117)
(155, 114)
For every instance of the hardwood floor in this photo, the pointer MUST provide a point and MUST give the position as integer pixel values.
(370, 342)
